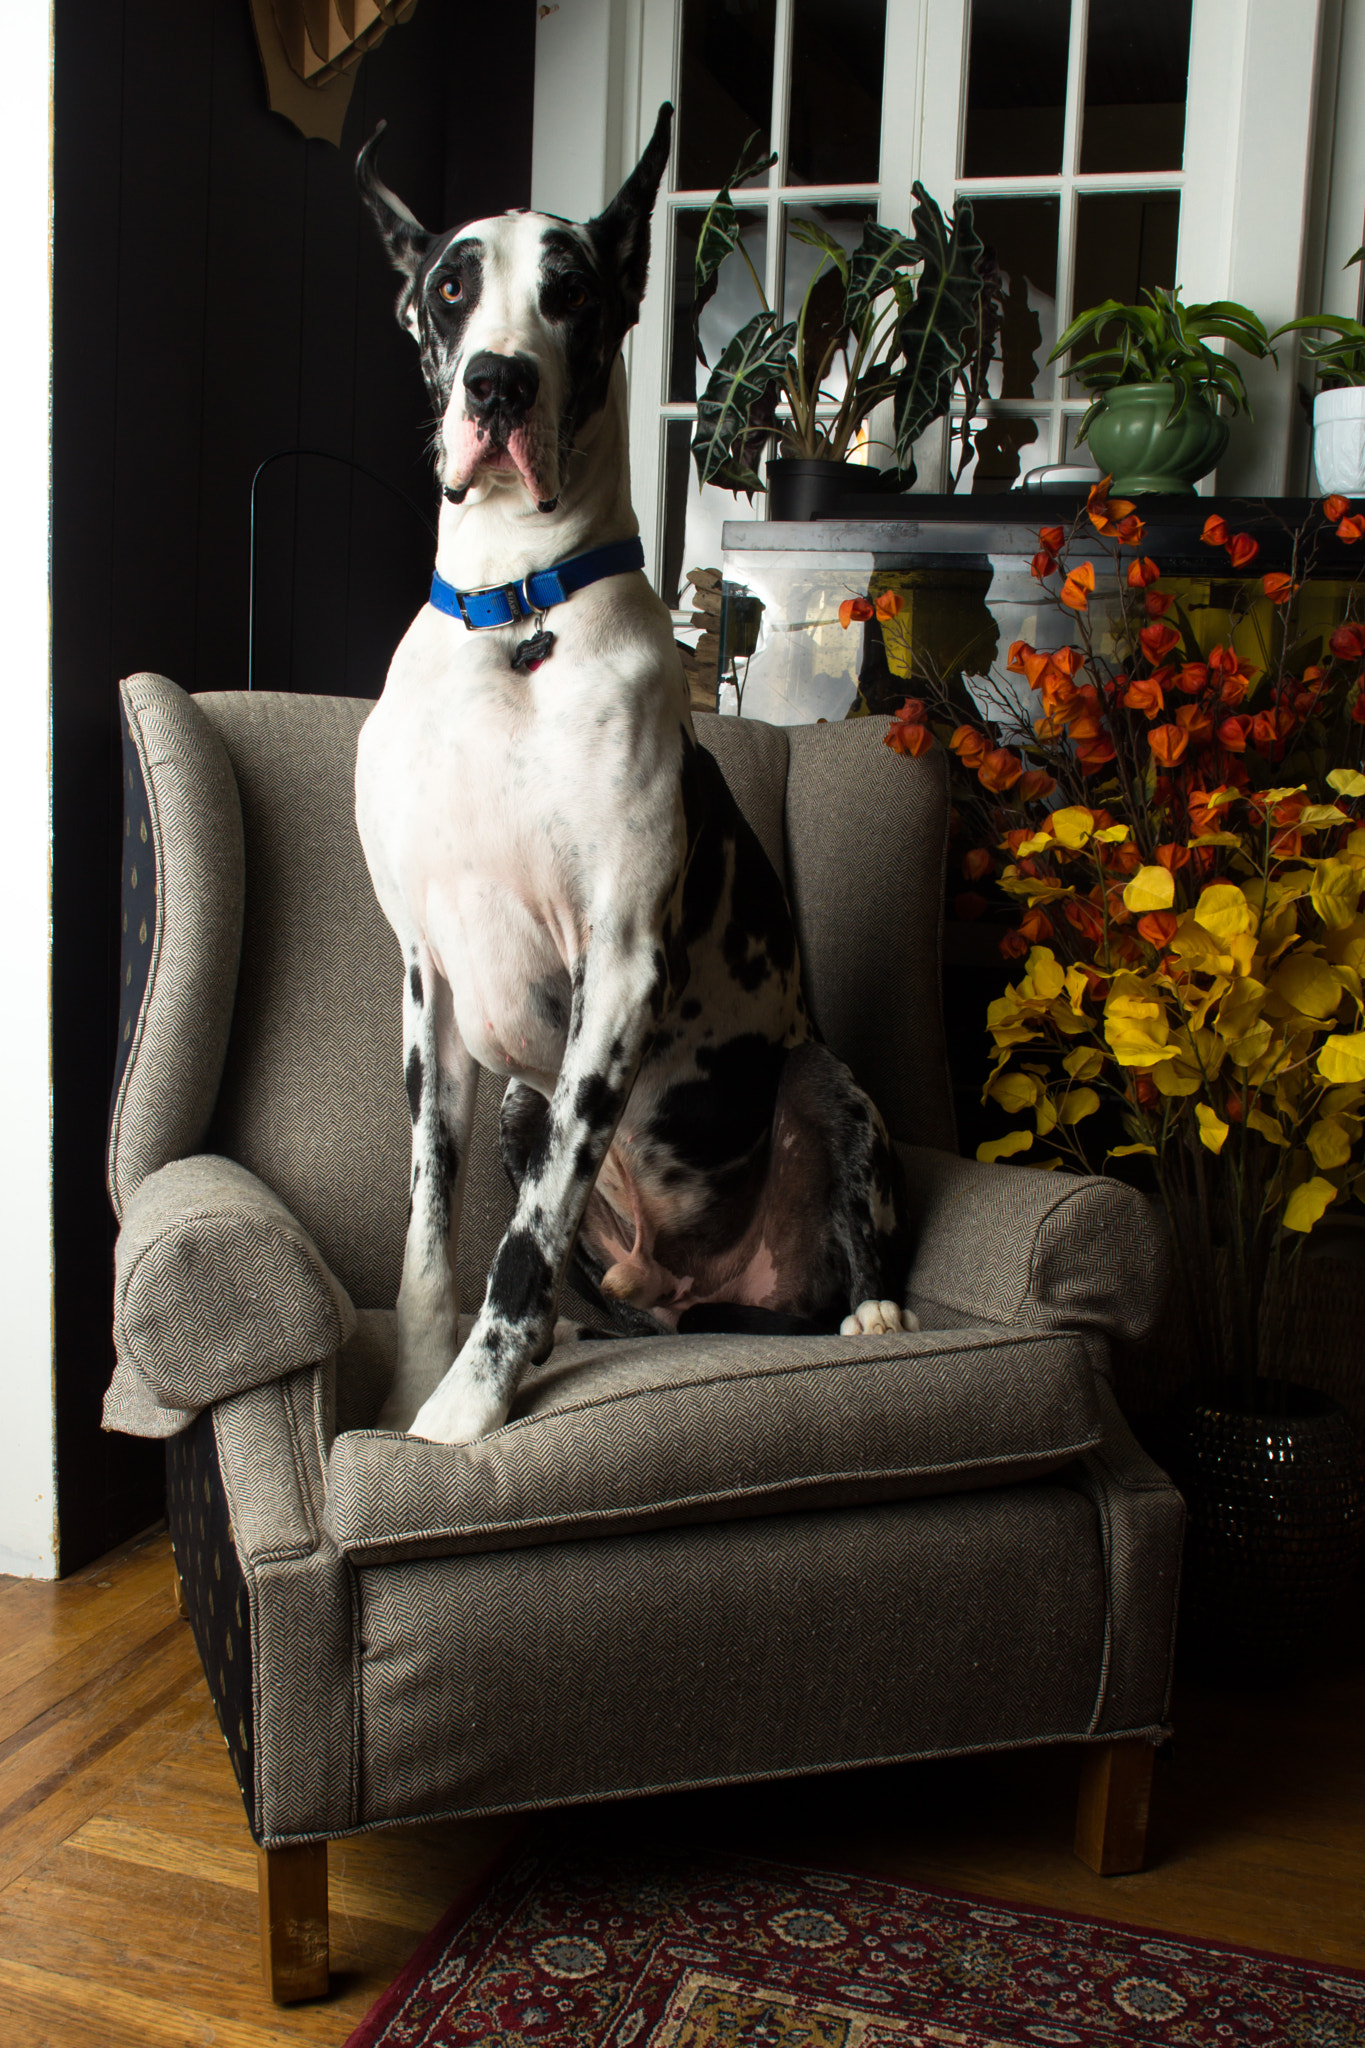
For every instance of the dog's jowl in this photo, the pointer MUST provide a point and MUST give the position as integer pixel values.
(582, 910)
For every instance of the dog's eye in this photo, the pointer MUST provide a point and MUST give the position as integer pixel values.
(575, 294)
(451, 289)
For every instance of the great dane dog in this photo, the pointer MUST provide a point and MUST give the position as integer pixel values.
(581, 907)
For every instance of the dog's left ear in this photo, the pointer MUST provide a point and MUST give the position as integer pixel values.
(402, 234)
(621, 232)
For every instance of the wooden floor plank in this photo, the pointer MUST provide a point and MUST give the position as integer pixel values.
(127, 1874)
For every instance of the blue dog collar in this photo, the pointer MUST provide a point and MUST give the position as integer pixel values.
(503, 604)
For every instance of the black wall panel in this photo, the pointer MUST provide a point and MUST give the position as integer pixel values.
(218, 297)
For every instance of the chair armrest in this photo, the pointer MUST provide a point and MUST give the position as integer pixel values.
(217, 1288)
(1015, 1244)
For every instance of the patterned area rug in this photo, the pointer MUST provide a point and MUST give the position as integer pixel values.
(675, 1952)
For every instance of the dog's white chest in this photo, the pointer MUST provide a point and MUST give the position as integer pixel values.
(493, 807)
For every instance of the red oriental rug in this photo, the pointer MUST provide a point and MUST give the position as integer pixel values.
(568, 1951)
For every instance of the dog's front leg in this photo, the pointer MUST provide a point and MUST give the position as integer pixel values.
(617, 1000)
(440, 1078)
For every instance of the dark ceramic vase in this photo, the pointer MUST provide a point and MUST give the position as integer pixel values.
(809, 487)
(1276, 1514)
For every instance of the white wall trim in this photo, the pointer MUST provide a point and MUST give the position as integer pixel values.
(27, 1437)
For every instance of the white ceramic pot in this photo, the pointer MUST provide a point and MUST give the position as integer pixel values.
(1339, 440)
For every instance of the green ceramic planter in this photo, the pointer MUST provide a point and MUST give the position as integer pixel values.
(1131, 442)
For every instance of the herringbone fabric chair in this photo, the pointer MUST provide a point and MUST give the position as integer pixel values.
(683, 1561)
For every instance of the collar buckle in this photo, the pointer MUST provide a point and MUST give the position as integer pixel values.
(476, 605)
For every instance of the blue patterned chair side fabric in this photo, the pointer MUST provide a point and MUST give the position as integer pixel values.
(139, 903)
(215, 1590)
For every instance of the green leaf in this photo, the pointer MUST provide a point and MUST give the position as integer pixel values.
(936, 332)
(720, 232)
(818, 236)
(877, 265)
(737, 403)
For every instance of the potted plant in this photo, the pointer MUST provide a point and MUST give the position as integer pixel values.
(904, 314)
(1154, 424)
(1337, 358)
(1177, 831)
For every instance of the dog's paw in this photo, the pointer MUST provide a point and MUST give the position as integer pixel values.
(877, 1319)
(459, 1413)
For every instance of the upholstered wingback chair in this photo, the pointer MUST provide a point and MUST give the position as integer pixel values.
(683, 1560)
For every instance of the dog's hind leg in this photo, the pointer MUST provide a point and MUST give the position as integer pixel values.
(440, 1078)
(865, 1215)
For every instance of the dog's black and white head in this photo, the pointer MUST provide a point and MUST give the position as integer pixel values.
(520, 320)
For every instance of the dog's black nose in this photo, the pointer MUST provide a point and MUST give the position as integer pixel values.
(500, 386)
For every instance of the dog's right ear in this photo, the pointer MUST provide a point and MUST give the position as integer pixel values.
(402, 234)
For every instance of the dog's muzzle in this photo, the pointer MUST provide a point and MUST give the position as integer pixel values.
(500, 390)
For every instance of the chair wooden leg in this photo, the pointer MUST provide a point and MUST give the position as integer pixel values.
(291, 1884)
(1111, 1817)
(182, 1605)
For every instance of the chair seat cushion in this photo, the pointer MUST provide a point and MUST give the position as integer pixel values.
(609, 1436)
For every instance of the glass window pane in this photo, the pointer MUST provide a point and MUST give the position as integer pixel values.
(845, 221)
(1023, 235)
(1125, 245)
(726, 87)
(835, 110)
(734, 302)
(1076, 454)
(1136, 63)
(996, 453)
(692, 519)
(1016, 88)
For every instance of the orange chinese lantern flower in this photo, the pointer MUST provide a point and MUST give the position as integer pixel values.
(1142, 572)
(1336, 507)
(1051, 538)
(1170, 854)
(1158, 927)
(1075, 592)
(1085, 714)
(1000, 770)
(1232, 1109)
(1036, 927)
(1278, 587)
(1157, 603)
(1145, 694)
(1193, 678)
(912, 709)
(1168, 744)
(1042, 566)
(1035, 784)
(1197, 723)
(1094, 754)
(1348, 642)
(1232, 734)
(1157, 640)
(1215, 533)
(1243, 550)
(1144, 1087)
(852, 608)
(1014, 661)
(1352, 529)
(1014, 945)
(1086, 917)
(969, 745)
(889, 605)
(906, 736)
(1113, 517)
(976, 864)
(1288, 845)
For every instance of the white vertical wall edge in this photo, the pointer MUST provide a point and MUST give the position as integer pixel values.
(27, 1484)
(580, 81)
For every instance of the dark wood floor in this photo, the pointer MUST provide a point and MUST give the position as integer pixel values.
(127, 1878)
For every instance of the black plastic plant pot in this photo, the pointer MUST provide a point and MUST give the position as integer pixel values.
(809, 487)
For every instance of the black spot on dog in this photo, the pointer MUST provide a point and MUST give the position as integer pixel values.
(412, 1081)
(576, 999)
(721, 1116)
(523, 1134)
(658, 991)
(550, 1000)
(690, 1009)
(617, 1053)
(415, 983)
(749, 969)
(596, 1102)
(447, 1167)
(521, 1282)
(585, 1161)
